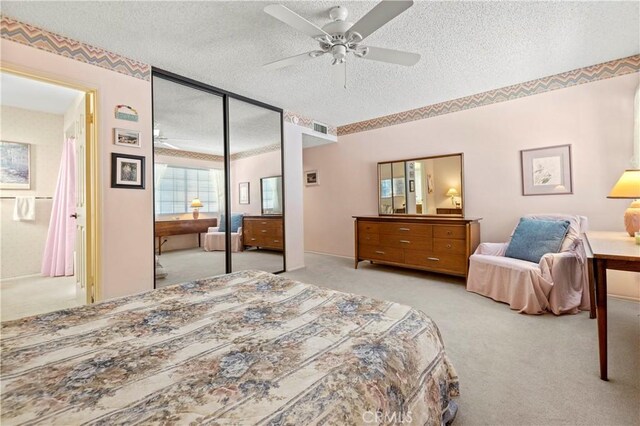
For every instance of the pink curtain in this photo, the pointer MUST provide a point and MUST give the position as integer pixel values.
(58, 251)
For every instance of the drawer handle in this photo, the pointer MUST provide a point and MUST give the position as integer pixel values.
(404, 229)
(448, 245)
(435, 259)
(405, 241)
(264, 230)
(253, 239)
(263, 223)
(379, 252)
(448, 232)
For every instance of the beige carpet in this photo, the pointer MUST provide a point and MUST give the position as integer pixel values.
(192, 264)
(514, 369)
(26, 296)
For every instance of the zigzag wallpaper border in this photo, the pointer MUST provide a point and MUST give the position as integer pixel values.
(301, 120)
(29, 35)
(576, 77)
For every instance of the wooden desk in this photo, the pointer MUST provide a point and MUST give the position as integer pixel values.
(607, 250)
(164, 228)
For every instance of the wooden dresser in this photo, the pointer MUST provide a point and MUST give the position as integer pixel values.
(438, 244)
(263, 232)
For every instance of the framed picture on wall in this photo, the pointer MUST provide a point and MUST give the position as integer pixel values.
(15, 165)
(130, 138)
(546, 171)
(127, 171)
(311, 178)
(243, 192)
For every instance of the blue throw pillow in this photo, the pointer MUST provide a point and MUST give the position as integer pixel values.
(533, 238)
(236, 222)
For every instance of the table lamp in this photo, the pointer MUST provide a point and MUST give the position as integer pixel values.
(196, 204)
(628, 186)
(452, 192)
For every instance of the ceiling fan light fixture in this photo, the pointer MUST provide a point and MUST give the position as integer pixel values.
(339, 51)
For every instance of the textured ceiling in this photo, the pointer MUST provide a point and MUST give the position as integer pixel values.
(35, 95)
(191, 120)
(466, 47)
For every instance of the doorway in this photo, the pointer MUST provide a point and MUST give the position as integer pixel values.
(47, 195)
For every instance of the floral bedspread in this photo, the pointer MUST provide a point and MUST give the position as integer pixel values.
(244, 348)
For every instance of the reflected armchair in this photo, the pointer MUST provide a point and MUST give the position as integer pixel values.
(558, 283)
(214, 239)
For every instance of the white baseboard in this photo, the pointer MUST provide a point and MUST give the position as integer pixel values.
(329, 254)
(630, 299)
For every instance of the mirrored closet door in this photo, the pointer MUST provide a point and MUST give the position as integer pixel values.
(257, 197)
(189, 182)
(218, 182)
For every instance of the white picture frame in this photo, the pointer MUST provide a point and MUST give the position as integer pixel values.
(311, 178)
(124, 137)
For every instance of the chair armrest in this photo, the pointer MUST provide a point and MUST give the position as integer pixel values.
(492, 249)
(567, 271)
(213, 229)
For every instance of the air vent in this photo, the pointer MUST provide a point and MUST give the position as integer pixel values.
(320, 128)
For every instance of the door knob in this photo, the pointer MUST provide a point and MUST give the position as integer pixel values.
(75, 215)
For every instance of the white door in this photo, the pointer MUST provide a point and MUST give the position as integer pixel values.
(80, 258)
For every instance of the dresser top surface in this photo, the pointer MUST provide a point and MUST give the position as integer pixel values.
(266, 216)
(431, 219)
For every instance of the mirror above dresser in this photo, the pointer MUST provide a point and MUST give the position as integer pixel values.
(427, 186)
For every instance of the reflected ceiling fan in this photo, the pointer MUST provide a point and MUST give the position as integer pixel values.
(160, 139)
(340, 37)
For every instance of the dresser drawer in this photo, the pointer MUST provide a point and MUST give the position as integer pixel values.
(406, 229)
(267, 232)
(406, 241)
(449, 263)
(270, 242)
(449, 246)
(449, 231)
(368, 227)
(389, 254)
(369, 239)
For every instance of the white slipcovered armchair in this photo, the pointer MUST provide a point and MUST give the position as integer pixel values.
(559, 283)
(214, 240)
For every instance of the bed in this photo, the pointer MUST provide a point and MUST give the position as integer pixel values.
(243, 348)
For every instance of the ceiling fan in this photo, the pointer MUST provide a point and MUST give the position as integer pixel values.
(340, 38)
(160, 139)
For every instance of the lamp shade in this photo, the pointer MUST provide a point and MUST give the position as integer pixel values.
(196, 202)
(628, 186)
(452, 192)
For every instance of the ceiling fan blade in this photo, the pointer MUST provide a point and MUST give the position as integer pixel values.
(292, 60)
(382, 13)
(294, 20)
(391, 56)
(168, 145)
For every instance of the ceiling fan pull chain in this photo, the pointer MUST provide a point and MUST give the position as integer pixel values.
(345, 75)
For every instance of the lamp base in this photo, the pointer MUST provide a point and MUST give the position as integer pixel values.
(196, 213)
(632, 218)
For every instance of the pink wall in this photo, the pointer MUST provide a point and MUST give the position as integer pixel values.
(126, 214)
(252, 169)
(596, 118)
